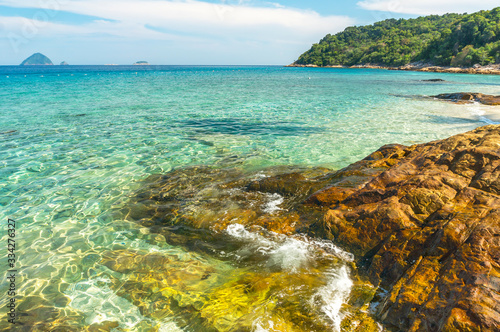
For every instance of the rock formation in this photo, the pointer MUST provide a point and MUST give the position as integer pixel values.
(467, 97)
(36, 59)
(426, 231)
(422, 221)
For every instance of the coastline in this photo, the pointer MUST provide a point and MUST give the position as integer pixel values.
(476, 69)
(420, 220)
(225, 188)
(421, 229)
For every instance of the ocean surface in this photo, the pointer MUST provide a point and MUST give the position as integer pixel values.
(78, 142)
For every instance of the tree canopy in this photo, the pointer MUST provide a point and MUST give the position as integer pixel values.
(449, 40)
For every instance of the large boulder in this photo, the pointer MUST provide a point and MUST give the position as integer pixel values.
(423, 222)
(427, 232)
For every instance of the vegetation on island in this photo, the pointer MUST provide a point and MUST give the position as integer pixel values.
(460, 40)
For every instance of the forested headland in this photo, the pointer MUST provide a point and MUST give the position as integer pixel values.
(457, 40)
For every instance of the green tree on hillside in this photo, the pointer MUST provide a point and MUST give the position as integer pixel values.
(451, 39)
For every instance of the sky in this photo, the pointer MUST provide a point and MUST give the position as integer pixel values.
(192, 32)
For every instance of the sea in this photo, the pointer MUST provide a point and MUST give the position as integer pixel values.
(77, 143)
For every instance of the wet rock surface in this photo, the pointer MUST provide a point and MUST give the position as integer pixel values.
(427, 232)
(213, 198)
(466, 97)
(192, 207)
(422, 221)
(276, 276)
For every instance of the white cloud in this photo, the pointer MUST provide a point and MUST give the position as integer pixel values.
(164, 31)
(200, 18)
(428, 7)
(30, 28)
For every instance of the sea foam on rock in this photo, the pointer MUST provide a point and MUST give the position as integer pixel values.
(254, 220)
(422, 221)
(427, 230)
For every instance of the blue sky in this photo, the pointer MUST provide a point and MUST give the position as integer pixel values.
(215, 32)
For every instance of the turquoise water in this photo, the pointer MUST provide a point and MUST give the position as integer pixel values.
(76, 143)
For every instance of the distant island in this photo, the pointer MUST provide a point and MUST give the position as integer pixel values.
(141, 63)
(37, 59)
(451, 40)
(64, 63)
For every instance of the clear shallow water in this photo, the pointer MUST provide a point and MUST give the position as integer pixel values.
(77, 142)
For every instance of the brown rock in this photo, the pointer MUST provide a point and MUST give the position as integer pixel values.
(424, 222)
(426, 230)
(463, 97)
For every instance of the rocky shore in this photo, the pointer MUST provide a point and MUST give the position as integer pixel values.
(476, 69)
(422, 221)
(426, 230)
(467, 97)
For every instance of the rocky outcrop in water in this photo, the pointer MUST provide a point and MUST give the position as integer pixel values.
(427, 232)
(467, 97)
(193, 207)
(423, 222)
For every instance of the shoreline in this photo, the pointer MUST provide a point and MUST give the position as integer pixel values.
(477, 69)
(417, 219)
(421, 224)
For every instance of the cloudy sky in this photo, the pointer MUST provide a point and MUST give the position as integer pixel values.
(191, 31)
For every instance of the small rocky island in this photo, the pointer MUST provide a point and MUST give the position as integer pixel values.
(141, 63)
(64, 63)
(36, 59)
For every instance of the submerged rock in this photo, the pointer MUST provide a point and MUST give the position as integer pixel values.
(290, 280)
(426, 230)
(464, 97)
(206, 294)
(211, 198)
(423, 222)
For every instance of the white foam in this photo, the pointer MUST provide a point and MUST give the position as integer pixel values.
(259, 176)
(488, 121)
(258, 328)
(480, 111)
(289, 253)
(272, 206)
(293, 253)
(284, 252)
(256, 241)
(330, 248)
(331, 296)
